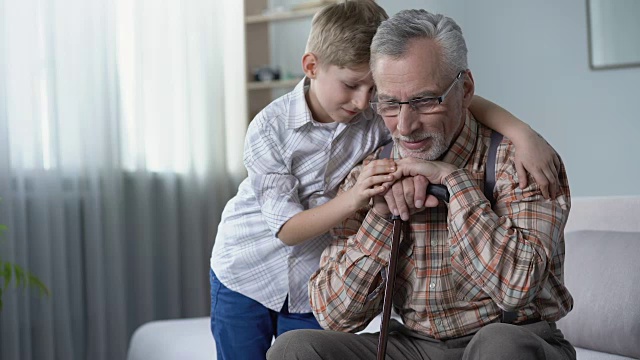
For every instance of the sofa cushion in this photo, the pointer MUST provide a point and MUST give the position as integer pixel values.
(584, 354)
(602, 272)
(172, 340)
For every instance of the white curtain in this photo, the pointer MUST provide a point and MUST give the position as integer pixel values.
(112, 168)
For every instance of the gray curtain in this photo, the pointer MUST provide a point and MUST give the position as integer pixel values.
(112, 168)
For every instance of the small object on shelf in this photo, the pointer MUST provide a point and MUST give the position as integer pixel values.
(263, 85)
(266, 73)
(275, 10)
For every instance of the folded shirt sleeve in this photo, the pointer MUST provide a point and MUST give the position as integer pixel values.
(275, 188)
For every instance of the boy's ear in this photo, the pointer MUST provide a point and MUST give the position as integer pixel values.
(310, 65)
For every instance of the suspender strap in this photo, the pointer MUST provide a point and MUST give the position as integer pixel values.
(385, 153)
(489, 184)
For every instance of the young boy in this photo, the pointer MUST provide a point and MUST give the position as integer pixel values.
(297, 151)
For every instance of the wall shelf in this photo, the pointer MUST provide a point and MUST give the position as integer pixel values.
(281, 15)
(275, 84)
(257, 49)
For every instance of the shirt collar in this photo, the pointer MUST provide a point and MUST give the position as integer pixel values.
(461, 150)
(299, 112)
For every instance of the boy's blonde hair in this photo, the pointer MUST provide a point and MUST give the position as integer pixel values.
(341, 33)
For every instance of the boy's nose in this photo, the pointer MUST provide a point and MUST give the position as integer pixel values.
(361, 100)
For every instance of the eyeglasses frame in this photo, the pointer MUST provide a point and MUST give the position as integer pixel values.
(412, 102)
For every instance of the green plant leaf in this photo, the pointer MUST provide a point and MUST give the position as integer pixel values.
(22, 277)
(7, 270)
(36, 283)
(19, 275)
(3, 228)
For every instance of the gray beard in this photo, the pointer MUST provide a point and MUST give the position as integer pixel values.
(437, 148)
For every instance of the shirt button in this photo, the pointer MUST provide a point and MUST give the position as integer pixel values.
(432, 285)
(438, 322)
(434, 242)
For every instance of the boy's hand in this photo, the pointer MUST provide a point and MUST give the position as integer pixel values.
(374, 179)
(536, 157)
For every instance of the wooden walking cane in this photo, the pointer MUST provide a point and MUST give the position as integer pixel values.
(388, 291)
(439, 191)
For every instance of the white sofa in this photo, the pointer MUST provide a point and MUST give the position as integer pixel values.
(602, 272)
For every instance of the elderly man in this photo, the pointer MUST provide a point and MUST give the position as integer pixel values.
(474, 281)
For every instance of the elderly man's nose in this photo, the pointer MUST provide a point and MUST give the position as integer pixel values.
(405, 121)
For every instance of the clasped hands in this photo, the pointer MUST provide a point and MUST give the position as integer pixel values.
(406, 193)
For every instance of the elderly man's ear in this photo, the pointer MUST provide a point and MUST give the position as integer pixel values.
(469, 88)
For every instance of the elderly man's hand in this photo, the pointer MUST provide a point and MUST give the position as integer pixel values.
(409, 195)
(380, 206)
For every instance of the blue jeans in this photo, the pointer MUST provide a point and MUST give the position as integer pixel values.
(243, 328)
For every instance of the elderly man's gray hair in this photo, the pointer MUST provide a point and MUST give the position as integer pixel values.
(394, 34)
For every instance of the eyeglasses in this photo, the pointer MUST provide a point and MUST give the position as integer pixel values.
(423, 105)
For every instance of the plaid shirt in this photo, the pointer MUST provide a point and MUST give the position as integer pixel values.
(461, 264)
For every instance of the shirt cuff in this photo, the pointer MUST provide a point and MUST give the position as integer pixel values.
(279, 216)
(374, 237)
(464, 191)
(465, 195)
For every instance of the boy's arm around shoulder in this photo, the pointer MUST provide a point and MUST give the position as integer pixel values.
(534, 155)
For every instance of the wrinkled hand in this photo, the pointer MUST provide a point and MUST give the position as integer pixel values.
(409, 195)
(536, 157)
(380, 206)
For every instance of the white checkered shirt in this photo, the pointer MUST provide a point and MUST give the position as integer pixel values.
(294, 163)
